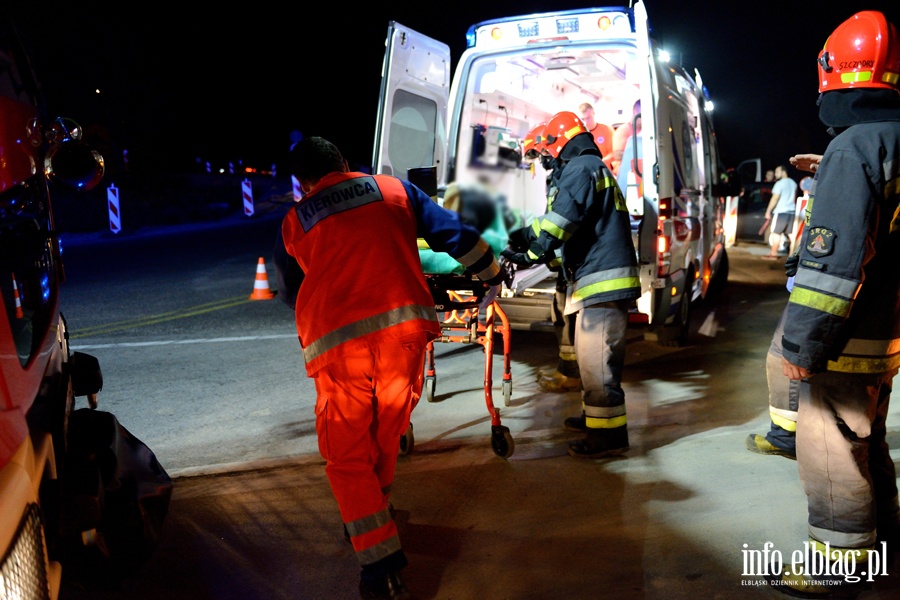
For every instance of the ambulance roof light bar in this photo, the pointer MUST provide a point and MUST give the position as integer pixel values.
(565, 25)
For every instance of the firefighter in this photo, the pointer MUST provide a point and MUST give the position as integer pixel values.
(842, 329)
(586, 218)
(364, 315)
(784, 394)
(566, 376)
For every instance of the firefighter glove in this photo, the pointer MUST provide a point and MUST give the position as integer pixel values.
(791, 264)
(517, 258)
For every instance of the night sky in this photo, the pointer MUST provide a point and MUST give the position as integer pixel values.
(232, 83)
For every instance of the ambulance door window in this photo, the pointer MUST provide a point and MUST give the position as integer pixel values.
(412, 135)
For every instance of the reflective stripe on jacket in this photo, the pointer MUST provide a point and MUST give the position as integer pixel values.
(843, 310)
(587, 218)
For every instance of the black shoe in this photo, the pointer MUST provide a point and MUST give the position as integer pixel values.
(586, 449)
(600, 443)
(575, 424)
(390, 587)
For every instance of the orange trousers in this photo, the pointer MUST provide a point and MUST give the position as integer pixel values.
(363, 406)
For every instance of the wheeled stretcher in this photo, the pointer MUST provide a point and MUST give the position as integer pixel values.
(456, 300)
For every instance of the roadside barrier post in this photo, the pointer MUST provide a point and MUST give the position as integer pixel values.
(115, 217)
(247, 189)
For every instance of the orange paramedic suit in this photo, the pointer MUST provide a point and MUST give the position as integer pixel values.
(364, 316)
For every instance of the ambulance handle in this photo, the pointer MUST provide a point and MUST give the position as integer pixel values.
(634, 148)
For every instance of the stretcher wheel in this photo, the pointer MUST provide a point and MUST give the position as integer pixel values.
(502, 442)
(407, 441)
(507, 392)
(430, 382)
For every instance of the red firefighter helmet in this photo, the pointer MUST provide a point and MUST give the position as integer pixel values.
(863, 52)
(560, 129)
(533, 142)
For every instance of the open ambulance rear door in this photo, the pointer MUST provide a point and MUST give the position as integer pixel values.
(645, 212)
(411, 127)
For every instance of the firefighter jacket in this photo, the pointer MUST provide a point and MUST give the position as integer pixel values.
(531, 232)
(844, 310)
(586, 217)
(353, 236)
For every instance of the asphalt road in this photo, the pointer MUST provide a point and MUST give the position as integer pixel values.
(209, 378)
(212, 382)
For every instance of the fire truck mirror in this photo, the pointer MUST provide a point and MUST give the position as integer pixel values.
(74, 164)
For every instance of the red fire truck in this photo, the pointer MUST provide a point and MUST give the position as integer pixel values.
(40, 376)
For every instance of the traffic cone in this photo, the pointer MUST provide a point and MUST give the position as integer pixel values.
(20, 314)
(261, 289)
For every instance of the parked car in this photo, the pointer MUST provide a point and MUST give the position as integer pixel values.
(755, 195)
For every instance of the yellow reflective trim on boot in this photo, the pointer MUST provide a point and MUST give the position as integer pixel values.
(605, 423)
(786, 424)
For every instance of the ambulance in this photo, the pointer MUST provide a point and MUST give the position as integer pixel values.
(467, 124)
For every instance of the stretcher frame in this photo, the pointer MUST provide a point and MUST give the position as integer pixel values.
(456, 301)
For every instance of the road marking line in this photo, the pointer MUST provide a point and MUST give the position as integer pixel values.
(244, 338)
(160, 318)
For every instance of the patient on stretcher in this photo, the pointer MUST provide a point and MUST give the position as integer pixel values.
(478, 207)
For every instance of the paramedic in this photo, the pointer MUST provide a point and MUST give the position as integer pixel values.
(842, 330)
(353, 233)
(602, 133)
(587, 219)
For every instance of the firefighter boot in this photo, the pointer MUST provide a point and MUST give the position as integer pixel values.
(575, 424)
(761, 445)
(556, 382)
(564, 378)
(601, 443)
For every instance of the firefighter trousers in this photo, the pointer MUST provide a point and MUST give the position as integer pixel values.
(565, 330)
(363, 406)
(843, 459)
(600, 336)
(784, 395)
